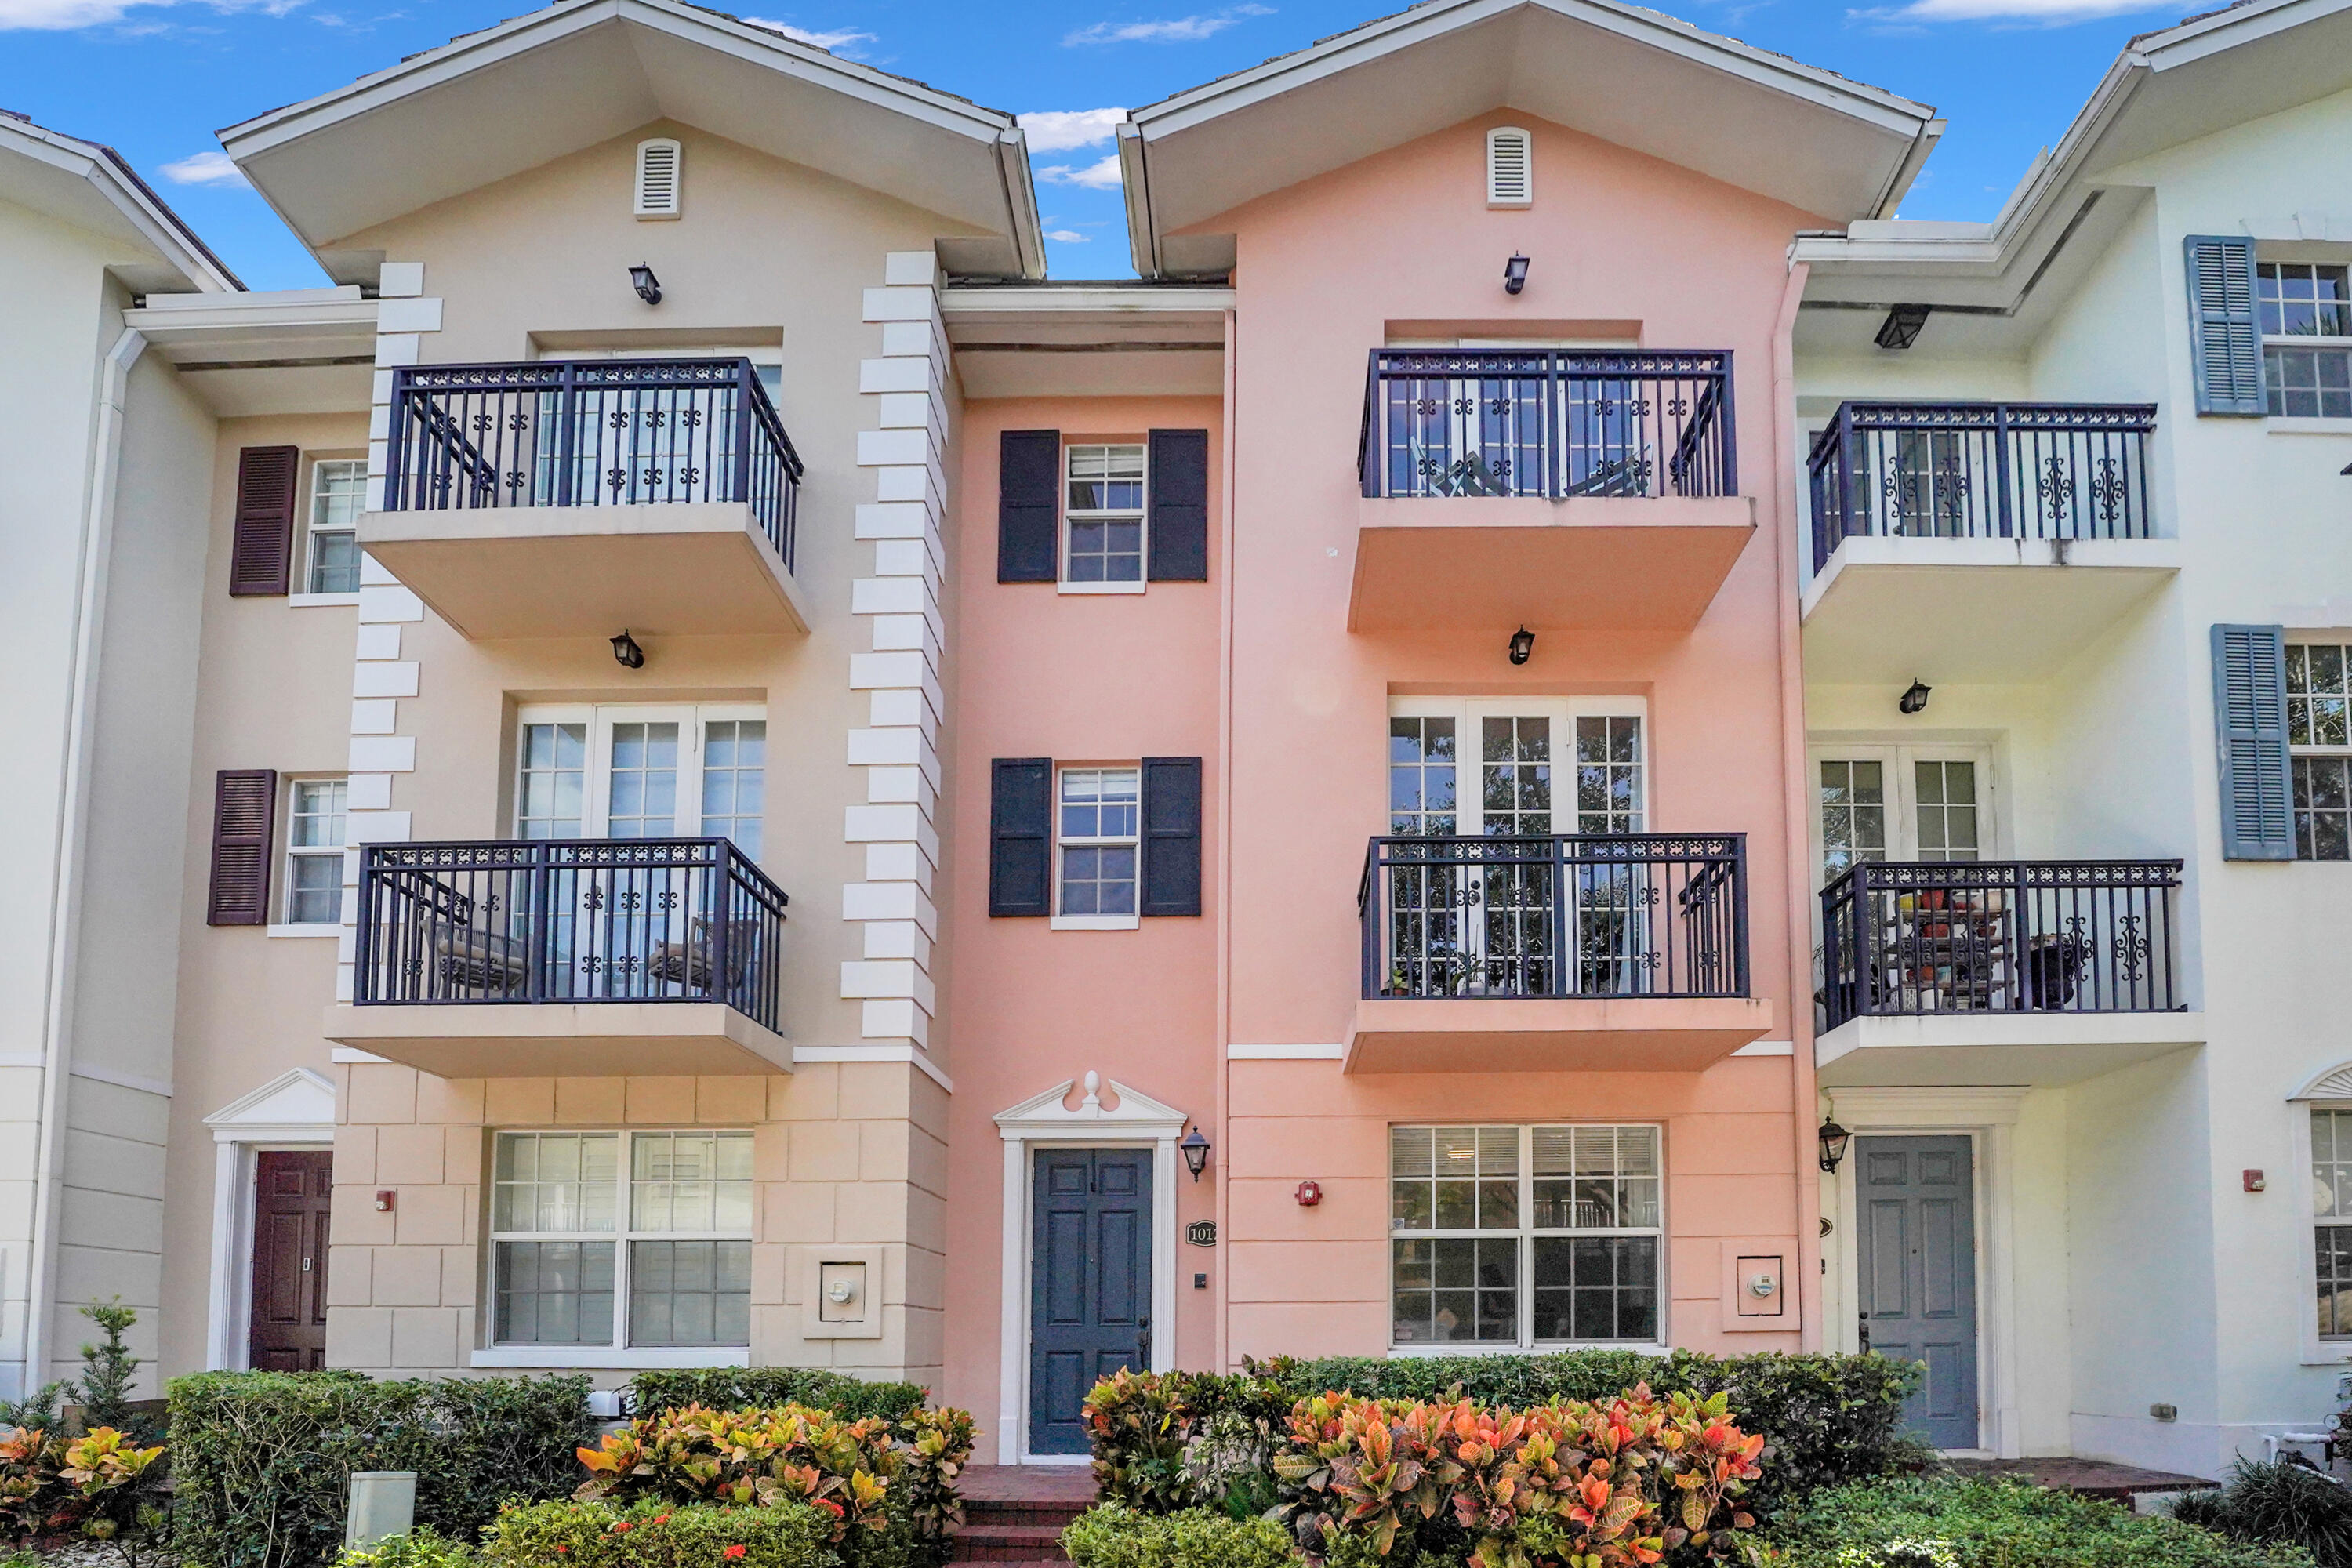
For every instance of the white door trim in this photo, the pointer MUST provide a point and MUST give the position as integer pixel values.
(294, 1110)
(1043, 1121)
(1988, 1118)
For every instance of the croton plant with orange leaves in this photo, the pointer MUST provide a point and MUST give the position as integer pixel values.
(750, 1458)
(1614, 1483)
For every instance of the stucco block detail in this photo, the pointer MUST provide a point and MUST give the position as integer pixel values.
(591, 1101)
(669, 1099)
(425, 1339)
(895, 1018)
(901, 304)
(378, 639)
(888, 978)
(384, 678)
(911, 268)
(408, 315)
(896, 939)
(892, 519)
(900, 863)
(399, 280)
(518, 1101)
(359, 1336)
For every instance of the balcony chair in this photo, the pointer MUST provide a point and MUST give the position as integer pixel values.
(688, 964)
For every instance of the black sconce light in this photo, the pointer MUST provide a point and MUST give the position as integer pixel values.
(1901, 327)
(1915, 699)
(1523, 646)
(1834, 1141)
(1196, 1150)
(1515, 274)
(626, 651)
(648, 287)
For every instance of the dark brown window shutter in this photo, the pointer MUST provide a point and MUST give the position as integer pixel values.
(1021, 837)
(261, 555)
(1029, 506)
(244, 807)
(1180, 506)
(1171, 836)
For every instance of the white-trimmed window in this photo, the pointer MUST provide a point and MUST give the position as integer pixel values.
(1526, 1236)
(1901, 802)
(315, 835)
(2331, 1201)
(1098, 817)
(2306, 320)
(2319, 748)
(1496, 767)
(331, 552)
(1510, 167)
(1102, 518)
(642, 772)
(628, 1241)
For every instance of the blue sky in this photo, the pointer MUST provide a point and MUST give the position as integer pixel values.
(157, 78)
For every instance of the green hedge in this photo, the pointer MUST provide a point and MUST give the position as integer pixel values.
(599, 1535)
(261, 1461)
(1114, 1536)
(2000, 1524)
(766, 1387)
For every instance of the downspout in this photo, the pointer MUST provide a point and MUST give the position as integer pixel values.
(1795, 825)
(1224, 1028)
(73, 817)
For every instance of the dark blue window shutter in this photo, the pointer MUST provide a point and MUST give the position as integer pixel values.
(2249, 731)
(1021, 836)
(2225, 340)
(1171, 836)
(1029, 506)
(1178, 505)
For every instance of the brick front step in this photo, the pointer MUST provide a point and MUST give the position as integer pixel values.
(1012, 1512)
(1008, 1543)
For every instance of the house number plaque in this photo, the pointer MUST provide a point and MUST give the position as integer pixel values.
(1202, 1232)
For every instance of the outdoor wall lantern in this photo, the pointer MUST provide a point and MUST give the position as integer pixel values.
(1834, 1141)
(1915, 698)
(1196, 1150)
(1901, 327)
(1515, 274)
(648, 287)
(626, 651)
(1523, 646)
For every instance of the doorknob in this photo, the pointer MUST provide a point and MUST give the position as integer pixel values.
(1143, 1343)
(1866, 1331)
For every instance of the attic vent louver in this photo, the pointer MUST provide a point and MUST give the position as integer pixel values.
(659, 188)
(1510, 167)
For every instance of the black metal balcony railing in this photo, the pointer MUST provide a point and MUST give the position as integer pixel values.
(1623, 915)
(1547, 421)
(1981, 470)
(2000, 936)
(588, 433)
(570, 920)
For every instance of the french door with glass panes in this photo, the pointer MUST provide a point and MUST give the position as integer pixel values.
(1497, 910)
(634, 772)
(1901, 802)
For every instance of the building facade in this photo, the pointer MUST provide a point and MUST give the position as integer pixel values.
(756, 781)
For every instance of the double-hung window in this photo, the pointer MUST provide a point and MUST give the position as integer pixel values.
(330, 554)
(1102, 519)
(621, 1240)
(2319, 749)
(2331, 1201)
(1526, 1236)
(1099, 821)
(2306, 320)
(628, 772)
(314, 852)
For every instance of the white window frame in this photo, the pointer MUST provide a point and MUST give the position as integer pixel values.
(290, 853)
(306, 566)
(1060, 921)
(1069, 514)
(596, 788)
(2267, 257)
(1562, 712)
(1526, 1235)
(617, 1352)
(2299, 752)
(1901, 807)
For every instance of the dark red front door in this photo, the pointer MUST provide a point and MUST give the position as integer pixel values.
(291, 1190)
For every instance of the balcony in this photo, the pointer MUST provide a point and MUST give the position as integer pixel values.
(571, 499)
(1531, 954)
(1936, 521)
(1605, 485)
(2000, 971)
(568, 956)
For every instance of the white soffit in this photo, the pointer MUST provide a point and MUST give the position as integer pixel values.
(1633, 77)
(526, 92)
(89, 186)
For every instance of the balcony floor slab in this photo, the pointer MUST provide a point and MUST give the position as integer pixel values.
(1982, 1049)
(664, 569)
(1496, 563)
(1585, 1033)
(563, 1039)
(1964, 611)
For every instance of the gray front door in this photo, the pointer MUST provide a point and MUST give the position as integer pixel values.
(1089, 1283)
(1916, 1199)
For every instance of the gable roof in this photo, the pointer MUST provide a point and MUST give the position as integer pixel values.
(93, 187)
(1626, 74)
(533, 88)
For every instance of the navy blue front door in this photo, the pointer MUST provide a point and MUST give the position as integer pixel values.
(1089, 1283)
(1916, 1202)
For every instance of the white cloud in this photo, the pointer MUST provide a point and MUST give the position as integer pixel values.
(61, 16)
(1066, 235)
(1101, 176)
(1171, 30)
(1059, 130)
(840, 40)
(2053, 13)
(204, 169)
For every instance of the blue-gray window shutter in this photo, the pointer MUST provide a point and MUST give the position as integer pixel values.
(1029, 506)
(1178, 505)
(2249, 731)
(2225, 340)
(1171, 836)
(1021, 836)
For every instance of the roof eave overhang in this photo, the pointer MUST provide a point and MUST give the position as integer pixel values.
(112, 196)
